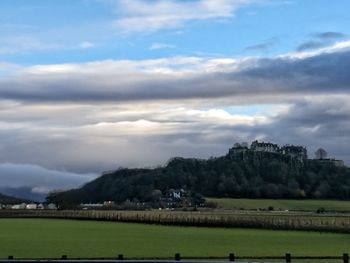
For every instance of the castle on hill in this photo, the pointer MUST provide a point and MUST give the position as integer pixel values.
(296, 152)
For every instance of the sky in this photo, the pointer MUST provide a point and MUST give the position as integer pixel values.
(88, 86)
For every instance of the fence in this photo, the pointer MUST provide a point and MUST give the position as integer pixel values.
(287, 258)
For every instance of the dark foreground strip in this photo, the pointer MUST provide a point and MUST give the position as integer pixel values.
(232, 258)
(104, 261)
(177, 258)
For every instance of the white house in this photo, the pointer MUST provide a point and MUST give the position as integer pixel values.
(19, 206)
(31, 206)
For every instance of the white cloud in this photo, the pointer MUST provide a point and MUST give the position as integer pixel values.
(155, 46)
(338, 46)
(24, 43)
(168, 66)
(86, 44)
(149, 16)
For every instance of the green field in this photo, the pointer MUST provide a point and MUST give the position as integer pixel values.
(53, 238)
(306, 205)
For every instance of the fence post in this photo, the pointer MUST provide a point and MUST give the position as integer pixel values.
(120, 257)
(177, 257)
(288, 258)
(346, 258)
(232, 257)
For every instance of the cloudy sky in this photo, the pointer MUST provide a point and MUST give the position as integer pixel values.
(92, 85)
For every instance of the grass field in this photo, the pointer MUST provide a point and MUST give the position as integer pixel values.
(53, 238)
(309, 205)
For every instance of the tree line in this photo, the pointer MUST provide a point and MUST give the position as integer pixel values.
(248, 174)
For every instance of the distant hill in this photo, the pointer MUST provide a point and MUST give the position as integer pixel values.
(242, 173)
(23, 193)
(9, 200)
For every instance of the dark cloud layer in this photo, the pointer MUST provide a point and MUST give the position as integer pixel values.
(325, 72)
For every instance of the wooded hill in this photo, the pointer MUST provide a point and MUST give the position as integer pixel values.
(250, 174)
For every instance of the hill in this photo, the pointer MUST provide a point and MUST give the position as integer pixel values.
(25, 193)
(5, 199)
(242, 173)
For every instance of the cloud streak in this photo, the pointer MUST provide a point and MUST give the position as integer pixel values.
(24, 43)
(86, 44)
(262, 46)
(150, 16)
(320, 40)
(309, 45)
(156, 46)
(329, 35)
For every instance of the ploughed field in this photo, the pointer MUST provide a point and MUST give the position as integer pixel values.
(34, 238)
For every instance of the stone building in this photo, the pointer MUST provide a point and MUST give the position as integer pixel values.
(264, 147)
(293, 151)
